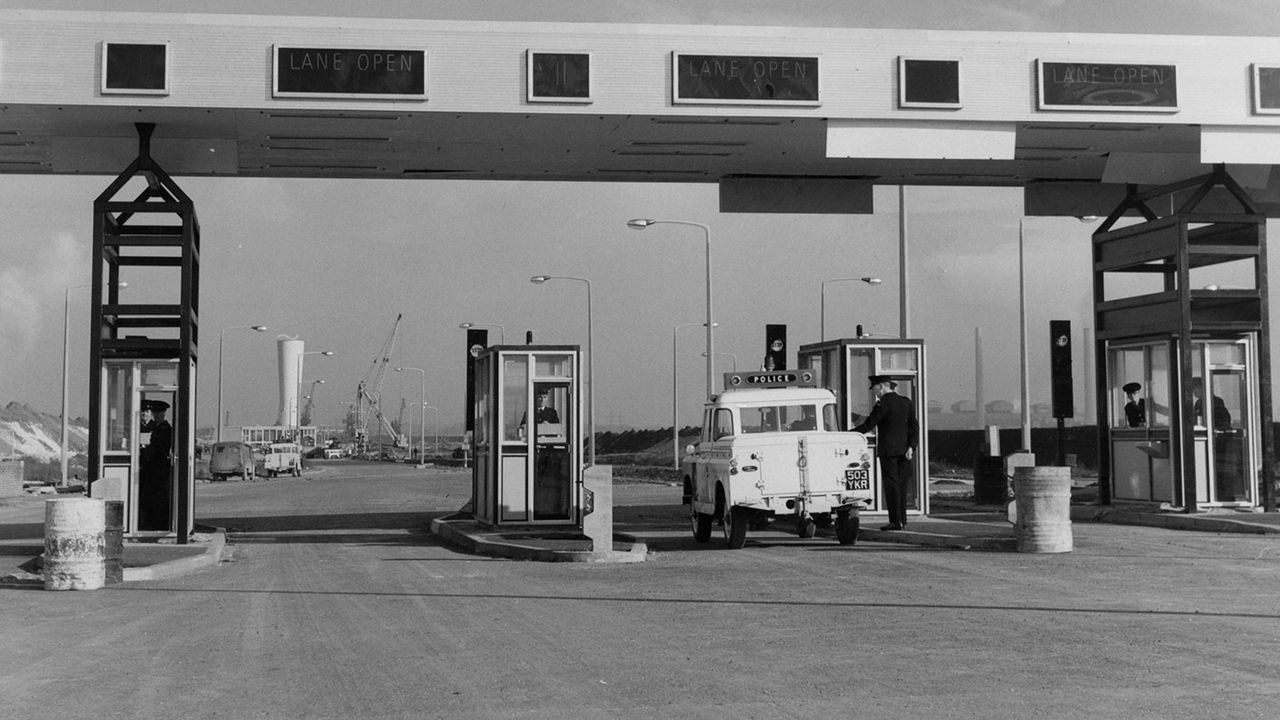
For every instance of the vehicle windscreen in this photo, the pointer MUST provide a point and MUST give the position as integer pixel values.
(779, 418)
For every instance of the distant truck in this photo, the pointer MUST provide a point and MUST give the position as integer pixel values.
(284, 459)
(771, 447)
(231, 458)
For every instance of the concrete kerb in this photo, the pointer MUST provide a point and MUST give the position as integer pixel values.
(958, 541)
(462, 531)
(1199, 522)
(213, 540)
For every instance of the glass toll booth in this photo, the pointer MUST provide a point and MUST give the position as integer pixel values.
(843, 366)
(137, 451)
(1147, 421)
(527, 442)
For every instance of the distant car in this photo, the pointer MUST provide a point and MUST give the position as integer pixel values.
(231, 458)
(332, 453)
(284, 458)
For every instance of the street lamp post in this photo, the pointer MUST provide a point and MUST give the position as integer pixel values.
(641, 224)
(255, 328)
(591, 361)
(822, 314)
(502, 332)
(422, 431)
(435, 411)
(310, 397)
(732, 357)
(675, 413)
(66, 342)
(298, 401)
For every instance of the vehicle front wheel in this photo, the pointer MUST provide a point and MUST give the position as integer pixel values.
(847, 528)
(701, 526)
(735, 527)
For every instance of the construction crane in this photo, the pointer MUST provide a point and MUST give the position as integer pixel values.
(369, 396)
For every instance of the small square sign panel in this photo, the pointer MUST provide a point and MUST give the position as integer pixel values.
(135, 68)
(928, 83)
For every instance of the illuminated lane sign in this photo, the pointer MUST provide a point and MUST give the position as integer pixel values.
(1266, 89)
(744, 80)
(1108, 86)
(350, 73)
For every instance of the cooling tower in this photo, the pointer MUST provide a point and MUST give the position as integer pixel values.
(290, 352)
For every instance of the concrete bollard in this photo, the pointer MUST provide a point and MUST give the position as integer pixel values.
(1043, 495)
(74, 539)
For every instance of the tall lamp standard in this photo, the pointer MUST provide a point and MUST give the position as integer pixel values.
(591, 361)
(641, 224)
(435, 411)
(422, 431)
(298, 400)
(822, 334)
(310, 397)
(255, 328)
(502, 332)
(675, 414)
(1022, 327)
(66, 342)
(732, 357)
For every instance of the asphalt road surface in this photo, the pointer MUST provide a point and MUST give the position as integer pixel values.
(334, 601)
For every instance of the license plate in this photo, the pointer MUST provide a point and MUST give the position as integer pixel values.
(857, 479)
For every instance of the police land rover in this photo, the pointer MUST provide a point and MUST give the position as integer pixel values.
(771, 447)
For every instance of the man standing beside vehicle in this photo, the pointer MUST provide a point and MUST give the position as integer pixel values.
(897, 435)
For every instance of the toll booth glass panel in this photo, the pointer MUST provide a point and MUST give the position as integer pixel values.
(861, 363)
(119, 425)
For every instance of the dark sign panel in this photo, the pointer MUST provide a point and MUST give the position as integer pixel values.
(559, 77)
(351, 73)
(928, 83)
(1266, 89)
(1108, 86)
(744, 79)
(135, 69)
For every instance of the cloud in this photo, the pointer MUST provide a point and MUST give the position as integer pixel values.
(32, 288)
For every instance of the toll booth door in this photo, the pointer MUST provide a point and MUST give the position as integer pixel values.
(905, 364)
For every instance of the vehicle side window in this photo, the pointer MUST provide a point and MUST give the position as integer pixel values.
(706, 425)
(723, 424)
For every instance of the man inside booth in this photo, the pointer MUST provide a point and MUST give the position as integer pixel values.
(542, 415)
(155, 467)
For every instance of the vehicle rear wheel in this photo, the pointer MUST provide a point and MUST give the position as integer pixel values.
(847, 528)
(701, 526)
(806, 527)
(735, 527)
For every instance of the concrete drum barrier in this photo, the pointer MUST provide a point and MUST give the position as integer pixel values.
(1043, 495)
(113, 542)
(74, 541)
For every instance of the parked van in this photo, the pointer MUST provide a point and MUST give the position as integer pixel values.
(231, 458)
(284, 458)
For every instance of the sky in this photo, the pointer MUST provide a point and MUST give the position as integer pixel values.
(334, 262)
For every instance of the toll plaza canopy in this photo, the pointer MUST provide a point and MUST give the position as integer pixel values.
(783, 119)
